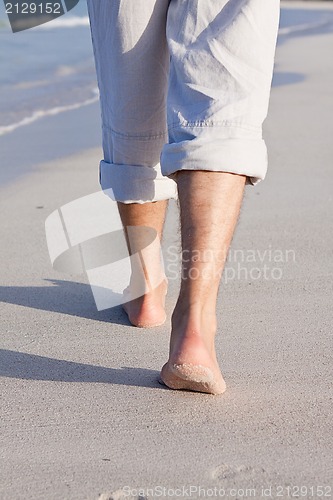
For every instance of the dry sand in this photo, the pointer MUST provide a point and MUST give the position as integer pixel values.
(82, 413)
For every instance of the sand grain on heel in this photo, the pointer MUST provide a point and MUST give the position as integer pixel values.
(191, 378)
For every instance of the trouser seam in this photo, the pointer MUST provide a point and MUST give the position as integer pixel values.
(136, 137)
(211, 124)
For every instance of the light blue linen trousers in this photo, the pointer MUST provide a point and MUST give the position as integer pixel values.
(184, 85)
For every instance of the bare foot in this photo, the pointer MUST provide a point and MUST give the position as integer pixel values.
(149, 310)
(192, 363)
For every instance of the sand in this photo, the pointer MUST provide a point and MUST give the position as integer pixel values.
(82, 413)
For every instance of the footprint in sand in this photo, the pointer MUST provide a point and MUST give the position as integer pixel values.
(243, 475)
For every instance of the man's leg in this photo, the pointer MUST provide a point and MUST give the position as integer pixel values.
(222, 54)
(209, 208)
(132, 65)
(147, 310)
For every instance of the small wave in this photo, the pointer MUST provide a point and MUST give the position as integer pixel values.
(64, 22)
(30, 84)
(41, 113)
(290, 30)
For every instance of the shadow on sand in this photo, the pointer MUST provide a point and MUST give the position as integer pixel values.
(32, 367)
(66, 297)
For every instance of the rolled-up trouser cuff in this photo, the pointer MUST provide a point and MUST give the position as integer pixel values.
(210, 152)
(135, 183)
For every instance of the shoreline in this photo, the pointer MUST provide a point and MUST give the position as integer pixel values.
(60, 136)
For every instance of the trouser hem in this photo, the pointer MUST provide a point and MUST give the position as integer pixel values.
(237, 156)
(135, 183)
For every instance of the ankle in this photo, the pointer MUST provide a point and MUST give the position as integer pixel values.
(146, 287)
(195, 317)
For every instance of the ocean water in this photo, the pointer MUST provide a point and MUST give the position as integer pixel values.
(49, 69)
(45, 70)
